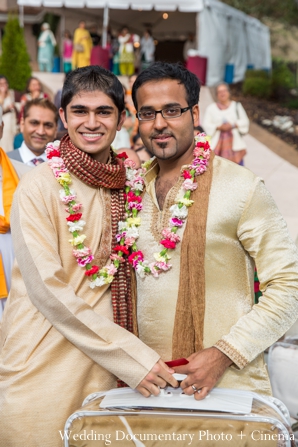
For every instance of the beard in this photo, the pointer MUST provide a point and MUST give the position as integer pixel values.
(162, 145)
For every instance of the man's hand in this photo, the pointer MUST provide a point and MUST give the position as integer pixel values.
(204, 369)
(159, 377)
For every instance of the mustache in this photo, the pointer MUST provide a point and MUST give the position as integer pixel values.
(164, 134)
(43, 137)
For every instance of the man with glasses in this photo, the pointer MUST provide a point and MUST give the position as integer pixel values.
(205, 224)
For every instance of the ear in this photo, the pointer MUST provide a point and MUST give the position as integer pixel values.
(63, 117)
(196, 115)
(122, 119)
(22, 123)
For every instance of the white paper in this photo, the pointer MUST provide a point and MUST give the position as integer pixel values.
(223, 400)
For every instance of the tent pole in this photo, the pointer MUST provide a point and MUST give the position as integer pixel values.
(197, 31)
(105, 26)
(62, 30)
(21, 16)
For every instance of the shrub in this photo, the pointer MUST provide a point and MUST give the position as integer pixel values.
(15, 61)
(256, 74)
(292, 103)
(282, 80)
(259, 87)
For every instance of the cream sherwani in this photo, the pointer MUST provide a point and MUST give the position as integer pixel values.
(244, 229)
(58, 340)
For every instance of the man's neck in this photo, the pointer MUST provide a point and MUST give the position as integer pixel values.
(172, 167)
(34, 151)
(169, 173)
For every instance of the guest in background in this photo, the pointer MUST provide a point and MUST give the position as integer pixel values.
(143, 154)
(140, 149)
(94, 35)
(46, 47)
(226, 122)
(8, 184)
(67, 51)
(82, 46)
(33, 91)
(198, 129)
(147, 49)
(126, 52)
(190, 44)
(39, 127)
(60, 126)
(10, 171)
(9, 115)
(137, 142)
(115, 54)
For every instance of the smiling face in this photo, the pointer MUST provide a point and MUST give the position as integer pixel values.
(92, 120)
(167, 139)
(39, 128)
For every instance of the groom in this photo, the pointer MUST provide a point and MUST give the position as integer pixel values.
(205, 224)
(67, 327)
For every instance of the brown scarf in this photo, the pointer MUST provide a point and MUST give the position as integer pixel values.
(190, 309)
(112, 176)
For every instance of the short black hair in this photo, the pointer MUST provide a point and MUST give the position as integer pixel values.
(90, 79)
(159, 71)
(135, 138)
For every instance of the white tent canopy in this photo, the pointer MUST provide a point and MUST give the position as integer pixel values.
(144, 5)
(225, 35)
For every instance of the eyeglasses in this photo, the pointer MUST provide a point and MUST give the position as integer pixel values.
(167, 113)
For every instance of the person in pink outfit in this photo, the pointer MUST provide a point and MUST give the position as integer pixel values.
(67, 51)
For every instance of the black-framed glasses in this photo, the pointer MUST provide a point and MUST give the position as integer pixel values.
(167, 113)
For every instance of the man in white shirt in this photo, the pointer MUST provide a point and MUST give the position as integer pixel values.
(39, 127)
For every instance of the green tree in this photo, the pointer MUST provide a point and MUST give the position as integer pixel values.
(283, 11)
(15, 60)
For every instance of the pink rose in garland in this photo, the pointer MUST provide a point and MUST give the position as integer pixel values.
(168, 244)
(176, 222)
(186, 174)
(170, 235)
(135, 257)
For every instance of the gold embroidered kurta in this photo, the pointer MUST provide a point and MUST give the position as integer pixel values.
(57, 334)
(244, 229)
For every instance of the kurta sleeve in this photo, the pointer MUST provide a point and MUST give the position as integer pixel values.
(264, 235)
(242, 119)
(36, 244)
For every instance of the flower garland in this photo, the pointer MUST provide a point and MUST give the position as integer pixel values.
(128, 229)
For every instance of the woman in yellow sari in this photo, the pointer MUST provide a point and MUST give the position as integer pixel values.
(82, 45)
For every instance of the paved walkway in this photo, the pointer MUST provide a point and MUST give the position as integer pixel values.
(281, 177)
